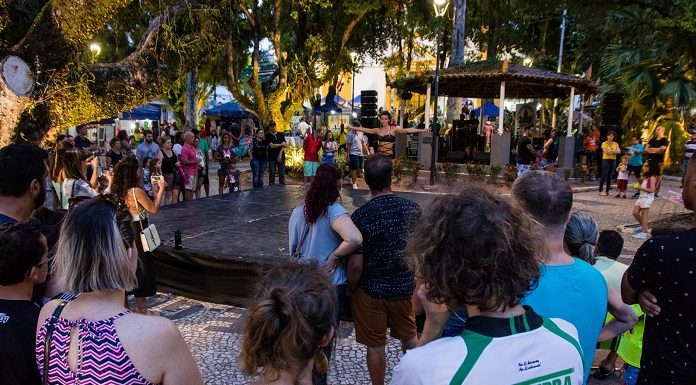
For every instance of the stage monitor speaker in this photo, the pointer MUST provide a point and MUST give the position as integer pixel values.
(368, 103)
(368, 109)
(612, 109)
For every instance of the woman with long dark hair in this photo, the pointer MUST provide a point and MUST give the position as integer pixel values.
(75, 184)
(386, 133)
(127, 174)
(321, 230)
(259, 157)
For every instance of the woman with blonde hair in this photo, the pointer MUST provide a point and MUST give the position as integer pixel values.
(94, 339)
(291, 318)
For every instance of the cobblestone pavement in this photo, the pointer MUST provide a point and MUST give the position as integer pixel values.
(214, 331)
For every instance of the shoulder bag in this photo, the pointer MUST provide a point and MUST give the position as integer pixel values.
(149, 237)
(47, 343)
(297, 253)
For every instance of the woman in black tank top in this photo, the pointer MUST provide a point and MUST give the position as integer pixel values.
(169, 163)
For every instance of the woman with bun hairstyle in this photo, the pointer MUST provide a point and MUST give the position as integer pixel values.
(581, 236)
(291, 318)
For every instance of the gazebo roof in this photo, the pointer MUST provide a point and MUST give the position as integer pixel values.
(482, 80)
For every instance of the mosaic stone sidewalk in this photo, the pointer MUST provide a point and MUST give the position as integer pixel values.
(213, 333)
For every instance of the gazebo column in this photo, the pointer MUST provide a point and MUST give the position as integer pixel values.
(425, 139)
(500, 141)
(566, 157)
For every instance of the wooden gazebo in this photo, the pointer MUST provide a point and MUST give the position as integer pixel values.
(489, 80)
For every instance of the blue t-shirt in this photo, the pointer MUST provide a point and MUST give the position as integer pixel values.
(5, 219)
(320, 240)
(577, 293)
(637, 158)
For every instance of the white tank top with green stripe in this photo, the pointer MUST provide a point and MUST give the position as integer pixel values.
(532, 351)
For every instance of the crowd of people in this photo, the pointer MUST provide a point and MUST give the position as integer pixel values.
(477, 287)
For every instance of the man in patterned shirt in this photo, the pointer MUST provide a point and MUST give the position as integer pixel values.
(662, 278)
(382, 282)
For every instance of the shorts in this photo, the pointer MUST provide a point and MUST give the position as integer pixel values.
(372, 317)
(355, 162)
(310, 168)
(192, 180)
(645, 203)
(169, 180)
(622, 184)
(203, 176)
(635, 170)
(328, 159)
(221, 173)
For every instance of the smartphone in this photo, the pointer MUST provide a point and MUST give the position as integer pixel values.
(156, 179)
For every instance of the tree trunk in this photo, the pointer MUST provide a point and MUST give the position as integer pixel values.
(454, 105)
(191, 100)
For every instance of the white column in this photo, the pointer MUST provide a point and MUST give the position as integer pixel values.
(571, 107)
(501, 115)
(582, 110)
(427, 105)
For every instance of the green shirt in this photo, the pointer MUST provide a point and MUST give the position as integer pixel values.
(631, 345)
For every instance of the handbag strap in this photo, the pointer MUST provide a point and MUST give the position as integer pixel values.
(49, 333)
(135, 200)
(302, 239)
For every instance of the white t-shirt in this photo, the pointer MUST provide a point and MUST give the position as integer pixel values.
(548, 353)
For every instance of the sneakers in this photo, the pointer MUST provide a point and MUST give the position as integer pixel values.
(355, 186)
(640, 235)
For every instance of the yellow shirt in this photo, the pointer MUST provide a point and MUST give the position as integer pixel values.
(607, 148)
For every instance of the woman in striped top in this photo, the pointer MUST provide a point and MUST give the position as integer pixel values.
(94, 339)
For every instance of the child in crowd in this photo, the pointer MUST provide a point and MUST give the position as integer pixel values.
(233, 173)
(608, 249)
(622, 179)
(330, 148)
(647, 188)
(147, 184)
(291, 318)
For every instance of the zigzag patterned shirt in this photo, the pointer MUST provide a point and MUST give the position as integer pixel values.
(104, 360)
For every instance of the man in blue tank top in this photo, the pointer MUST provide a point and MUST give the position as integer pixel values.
(569, 288)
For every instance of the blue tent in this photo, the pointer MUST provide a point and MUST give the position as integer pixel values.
(327, 108)
(337, 99)
(356, 100)
(146, 112)
(228, 110)
(489, 109)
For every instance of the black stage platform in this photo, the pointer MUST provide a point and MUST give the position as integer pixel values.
(229, 240)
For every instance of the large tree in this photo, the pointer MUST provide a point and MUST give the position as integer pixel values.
(53, 38)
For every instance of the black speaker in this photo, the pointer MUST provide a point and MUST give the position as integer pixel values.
(368, 109)
(612, 109)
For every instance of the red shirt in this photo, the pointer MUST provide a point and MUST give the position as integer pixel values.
(592, 141)
(311, 148)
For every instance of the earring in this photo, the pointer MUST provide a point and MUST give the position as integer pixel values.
(321, 363)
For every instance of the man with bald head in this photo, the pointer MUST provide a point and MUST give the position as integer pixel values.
(189, 162)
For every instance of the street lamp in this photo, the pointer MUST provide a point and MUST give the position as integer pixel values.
(353, 55)
(440, 7)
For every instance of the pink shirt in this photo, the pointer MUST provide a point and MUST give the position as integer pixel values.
(188, 154)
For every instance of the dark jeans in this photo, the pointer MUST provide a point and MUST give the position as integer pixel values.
(258, 168)
(272, 170)
(608, 167)
(318, 378)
